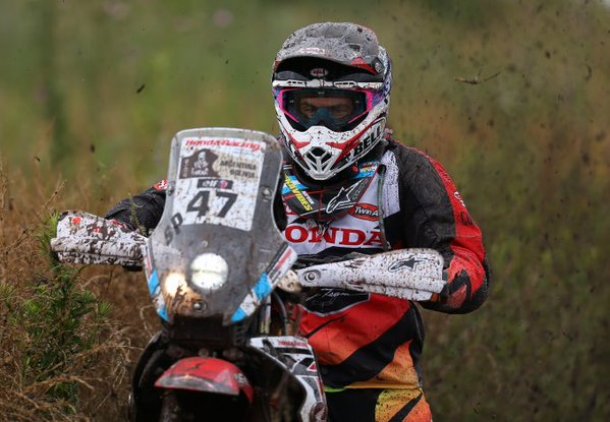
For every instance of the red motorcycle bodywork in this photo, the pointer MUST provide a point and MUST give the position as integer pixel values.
(208, 375)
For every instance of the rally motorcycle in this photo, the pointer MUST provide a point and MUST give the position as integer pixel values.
(215, 265)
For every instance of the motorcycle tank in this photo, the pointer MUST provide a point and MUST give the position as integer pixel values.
(216, 251)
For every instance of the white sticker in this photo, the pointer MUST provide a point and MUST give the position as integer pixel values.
(217, 181)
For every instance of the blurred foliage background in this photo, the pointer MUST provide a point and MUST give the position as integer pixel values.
(512, 96)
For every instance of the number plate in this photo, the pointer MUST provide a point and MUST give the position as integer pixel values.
(218, 181)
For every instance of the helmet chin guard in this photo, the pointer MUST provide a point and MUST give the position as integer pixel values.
(321, 159)
(320, 69)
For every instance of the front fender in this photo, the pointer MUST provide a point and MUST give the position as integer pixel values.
(206, 375)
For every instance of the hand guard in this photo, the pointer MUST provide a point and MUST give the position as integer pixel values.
(413, 274)
(84, 238)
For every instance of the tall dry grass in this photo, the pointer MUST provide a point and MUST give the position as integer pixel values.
(63, 357)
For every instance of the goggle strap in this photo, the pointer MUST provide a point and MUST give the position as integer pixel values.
(319, 83)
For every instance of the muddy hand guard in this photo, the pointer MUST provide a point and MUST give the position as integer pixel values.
(413, 274)
(84, 238)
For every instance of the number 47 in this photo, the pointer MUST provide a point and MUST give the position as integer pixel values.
(201, 202)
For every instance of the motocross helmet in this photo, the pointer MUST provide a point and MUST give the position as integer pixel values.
(331, 86)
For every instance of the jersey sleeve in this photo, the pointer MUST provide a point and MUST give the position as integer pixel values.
(141, 212)
(437, 217)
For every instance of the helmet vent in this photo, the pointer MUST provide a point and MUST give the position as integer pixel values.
(318, 152)
(318, 156)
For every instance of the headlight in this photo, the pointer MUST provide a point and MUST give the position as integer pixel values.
(174, 281)
(209, 271)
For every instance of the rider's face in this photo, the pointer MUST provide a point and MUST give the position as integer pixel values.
(338, 107)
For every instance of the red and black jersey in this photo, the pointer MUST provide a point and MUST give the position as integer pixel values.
(371, 341)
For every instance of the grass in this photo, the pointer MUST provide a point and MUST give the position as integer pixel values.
(63, 357)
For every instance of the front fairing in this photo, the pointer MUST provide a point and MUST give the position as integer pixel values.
(219, 207)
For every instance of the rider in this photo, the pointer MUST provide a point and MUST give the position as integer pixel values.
(350, 188)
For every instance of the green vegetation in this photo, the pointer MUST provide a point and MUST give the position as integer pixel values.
(512, 97)
(54, 318)
(55, 337)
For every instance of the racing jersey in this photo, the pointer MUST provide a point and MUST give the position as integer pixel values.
(367, 340)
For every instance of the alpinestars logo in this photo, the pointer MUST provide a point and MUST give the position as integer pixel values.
(410, 263)
(344, 199)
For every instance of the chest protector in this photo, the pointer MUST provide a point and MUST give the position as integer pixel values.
(346, 215)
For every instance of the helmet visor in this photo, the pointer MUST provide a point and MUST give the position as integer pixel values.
(339, 110)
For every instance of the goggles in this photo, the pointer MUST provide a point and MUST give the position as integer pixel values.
(338, 110)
